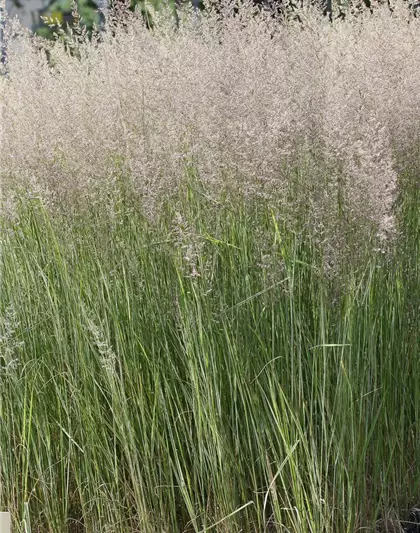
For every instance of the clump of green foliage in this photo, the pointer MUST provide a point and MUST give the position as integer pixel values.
(210, 272)
(204, 372)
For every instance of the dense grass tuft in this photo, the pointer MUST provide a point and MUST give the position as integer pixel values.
(210, 271)
(205, 370)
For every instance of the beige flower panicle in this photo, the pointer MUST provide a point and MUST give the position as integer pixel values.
(252, 101)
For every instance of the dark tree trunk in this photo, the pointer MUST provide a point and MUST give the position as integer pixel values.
(328, 9)
(3, 51)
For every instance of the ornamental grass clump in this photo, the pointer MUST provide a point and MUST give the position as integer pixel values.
(210, 271)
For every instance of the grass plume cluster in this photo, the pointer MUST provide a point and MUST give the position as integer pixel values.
(202, 325)
(254, 105)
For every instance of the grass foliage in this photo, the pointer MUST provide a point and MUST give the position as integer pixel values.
(218, 332)
(167, 378)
